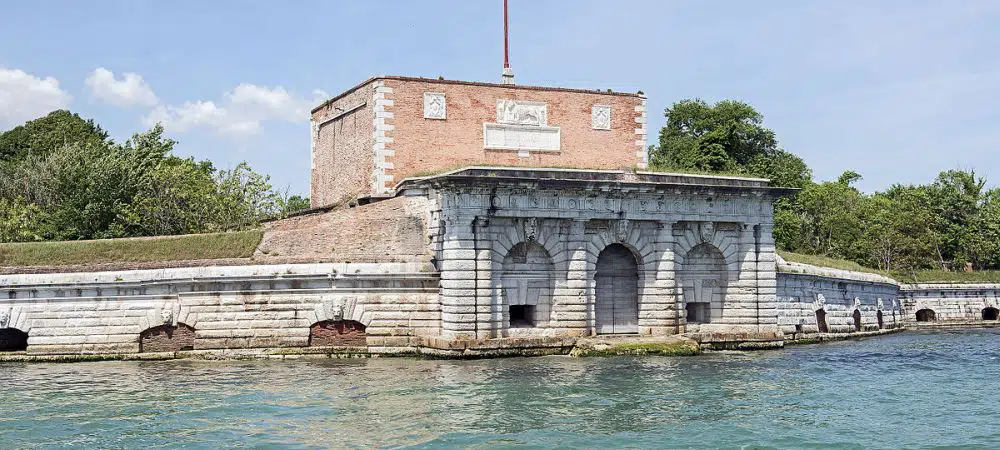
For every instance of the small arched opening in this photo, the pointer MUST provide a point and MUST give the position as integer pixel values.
(821, 321)
(991, 313)
(881, 322)
(926, 315)
(13, 340)
(527, 285)
(166, 338)
(331, 333)
(857, 320)
(704, 283)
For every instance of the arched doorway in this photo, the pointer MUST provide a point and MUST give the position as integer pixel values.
(13, 340)
(821, 321)
(857, 320)
(167, 338)
(881, 323)
(991, 313)
(926, 315)
(617, 291)
(329, 333)
(703, 283)
(526, 285)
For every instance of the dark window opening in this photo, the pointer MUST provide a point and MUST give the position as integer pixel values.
(522, 316)
(697, 312)
(857, 320)
(821, 321)
(13, 340)
(991, 313)
(878, 316)
(926, 315)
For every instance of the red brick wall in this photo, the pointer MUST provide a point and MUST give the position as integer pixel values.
(427, 145)
(166, 338)
(337, 332)
(13, 340)
(343, 155)
(392, 230)
(347, 162)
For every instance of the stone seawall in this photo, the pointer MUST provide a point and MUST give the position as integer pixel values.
(951, 305)
(219, 307)
(816, 302)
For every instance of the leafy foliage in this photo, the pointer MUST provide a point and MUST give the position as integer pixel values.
(948, 225)
(63, 179)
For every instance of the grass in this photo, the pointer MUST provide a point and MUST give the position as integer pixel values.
(823, 261)
(238, 244)
(941, 276)
(920, 276)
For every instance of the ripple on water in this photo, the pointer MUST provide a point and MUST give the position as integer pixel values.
(906, 390)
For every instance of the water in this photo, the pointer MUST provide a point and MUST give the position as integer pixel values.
(911, 390)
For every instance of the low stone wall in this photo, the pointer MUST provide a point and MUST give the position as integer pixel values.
(848, 302)
(235, 307)
(951, 305)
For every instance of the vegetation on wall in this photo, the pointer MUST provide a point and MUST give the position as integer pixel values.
(63, 178)
(945, 226)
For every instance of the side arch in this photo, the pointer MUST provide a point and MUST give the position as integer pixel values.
(991, 313)
(13, 340)
(926, 315)
(328, 333)
(167, 338)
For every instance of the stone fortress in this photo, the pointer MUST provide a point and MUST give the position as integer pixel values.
(476, 219)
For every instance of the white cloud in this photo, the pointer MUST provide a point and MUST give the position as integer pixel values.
(130, 91)
(24, 97)
(241, 113)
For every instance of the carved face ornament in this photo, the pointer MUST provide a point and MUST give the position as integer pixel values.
(531, 229)
(622, 229)
(166, 316)
(707, 231)
(4, 319)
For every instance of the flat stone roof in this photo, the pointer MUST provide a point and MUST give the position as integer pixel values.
(563, 176)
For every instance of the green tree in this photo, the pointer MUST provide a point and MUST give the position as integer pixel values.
(727, 137)
(46, 134)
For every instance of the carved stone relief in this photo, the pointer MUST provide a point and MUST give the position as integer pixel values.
(434, 106)
(4, 319)
(600, 117)
(531, 229)
(514, 112)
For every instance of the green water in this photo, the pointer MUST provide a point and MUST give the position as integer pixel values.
(910, 390)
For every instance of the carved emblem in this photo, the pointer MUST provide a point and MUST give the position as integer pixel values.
(820, 300)
(531, 229)
(622, 229)
(4, 319)
(522, 113)
(600, 117)
(707, 231)
(434, 105)
(857, 302)
(335, 311)
(880, 303)
(166, 316)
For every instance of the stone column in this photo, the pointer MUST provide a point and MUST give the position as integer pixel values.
(575, 298)
(459, 280)
(659, 304)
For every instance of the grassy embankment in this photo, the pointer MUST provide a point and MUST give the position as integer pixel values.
(238, 244)
(921, 276)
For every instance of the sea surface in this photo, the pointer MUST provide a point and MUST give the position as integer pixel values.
(910, 390)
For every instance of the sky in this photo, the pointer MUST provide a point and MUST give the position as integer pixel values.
(895, 90)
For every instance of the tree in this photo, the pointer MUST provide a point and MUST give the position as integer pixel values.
(727, 137)
(46, 134)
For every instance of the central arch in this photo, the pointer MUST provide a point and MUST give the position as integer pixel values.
(926, 315)
(617, 291)
(703, 280)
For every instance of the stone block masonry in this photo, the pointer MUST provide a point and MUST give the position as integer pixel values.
(218, 307)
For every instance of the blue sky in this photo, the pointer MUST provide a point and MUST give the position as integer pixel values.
(896, 90)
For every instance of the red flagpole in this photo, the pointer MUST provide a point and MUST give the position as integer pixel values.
(506, 54)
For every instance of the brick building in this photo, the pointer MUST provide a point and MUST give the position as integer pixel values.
(388, 128)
